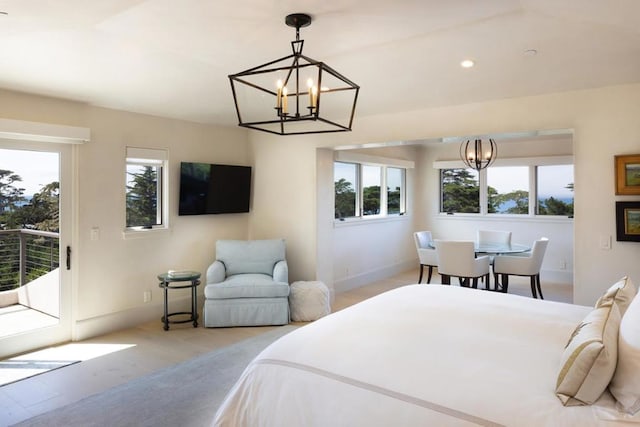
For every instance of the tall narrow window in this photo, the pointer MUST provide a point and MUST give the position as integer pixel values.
(555, 190)
(395, 191)
(371, 184)
(508, 190)
(345, 184)
(460, 191)
(145, 188)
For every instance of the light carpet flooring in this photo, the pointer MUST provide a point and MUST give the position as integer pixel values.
(138, 351)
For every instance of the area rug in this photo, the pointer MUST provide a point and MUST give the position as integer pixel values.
(186, 394)
(19, 368)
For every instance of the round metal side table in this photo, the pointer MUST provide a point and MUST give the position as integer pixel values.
(180, 280)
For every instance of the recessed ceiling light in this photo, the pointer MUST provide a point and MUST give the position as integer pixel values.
(530, 52)
(467, 63)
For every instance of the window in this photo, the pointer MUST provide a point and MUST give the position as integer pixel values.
(555, 190)
(358, 190)
(145, 181)
(508, 190)
(460, 191)
(371, 185)
(345, 177)
(395, 191)
(524, 186)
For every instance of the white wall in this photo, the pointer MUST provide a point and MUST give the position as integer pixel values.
(604, 121)
(113, 273)
(389, 242)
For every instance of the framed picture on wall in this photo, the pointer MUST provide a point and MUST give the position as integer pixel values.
(628, 221)
(628, 174)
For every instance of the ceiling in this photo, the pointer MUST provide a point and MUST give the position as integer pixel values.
(172, 58)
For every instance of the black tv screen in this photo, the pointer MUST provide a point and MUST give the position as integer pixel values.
(214, 189)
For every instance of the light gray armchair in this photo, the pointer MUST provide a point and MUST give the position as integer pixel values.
(247, 284)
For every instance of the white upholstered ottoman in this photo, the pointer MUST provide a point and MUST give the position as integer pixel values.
(308, 301)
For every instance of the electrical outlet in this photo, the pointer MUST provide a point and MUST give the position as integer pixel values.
(146, 296)
(95, 233)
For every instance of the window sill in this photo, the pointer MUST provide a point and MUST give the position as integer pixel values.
(505, 217)
(144, 233)
(352, 222)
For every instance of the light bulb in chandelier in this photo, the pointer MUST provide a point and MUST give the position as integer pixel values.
(478, 154)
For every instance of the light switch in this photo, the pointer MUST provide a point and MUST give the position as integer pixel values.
(95, 233)
(605, 242)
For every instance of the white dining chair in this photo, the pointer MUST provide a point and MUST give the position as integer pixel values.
(426, 253)
(527, 264)
(493, 237)
(457, 258)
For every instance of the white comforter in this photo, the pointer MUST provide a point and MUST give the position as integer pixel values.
(420, 355)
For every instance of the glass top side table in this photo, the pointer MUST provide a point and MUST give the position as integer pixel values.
(180, 280)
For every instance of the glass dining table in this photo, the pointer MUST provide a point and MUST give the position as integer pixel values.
(500, 248)
(495, 248)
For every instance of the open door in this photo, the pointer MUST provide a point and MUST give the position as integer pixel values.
(35, 244)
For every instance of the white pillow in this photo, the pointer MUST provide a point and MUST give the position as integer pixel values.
(589, 359)
(622, 292)
(625, 386)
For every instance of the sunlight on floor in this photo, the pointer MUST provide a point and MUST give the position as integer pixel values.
(38, 362)
(74, 351)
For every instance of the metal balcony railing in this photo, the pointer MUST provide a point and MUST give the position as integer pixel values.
(26, 255)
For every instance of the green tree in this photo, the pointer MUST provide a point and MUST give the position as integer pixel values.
(42, 212)
(11, 197)
(345, 199)
(142, 198)
(553, 206)
(371, 200)
(393, 201)
(493, 200)
(460, 191)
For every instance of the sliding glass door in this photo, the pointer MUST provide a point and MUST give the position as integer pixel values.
(35, 245)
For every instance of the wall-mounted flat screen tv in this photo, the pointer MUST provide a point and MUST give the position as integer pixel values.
(214, 189)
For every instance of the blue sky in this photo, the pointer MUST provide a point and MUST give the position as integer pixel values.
(37, 168)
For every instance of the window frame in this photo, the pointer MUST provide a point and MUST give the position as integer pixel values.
(384, 163)
(531, 162)
(157, 158)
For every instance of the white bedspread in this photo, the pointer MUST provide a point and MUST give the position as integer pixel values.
(420, 355)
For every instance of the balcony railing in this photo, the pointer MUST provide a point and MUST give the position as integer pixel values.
(26, 255)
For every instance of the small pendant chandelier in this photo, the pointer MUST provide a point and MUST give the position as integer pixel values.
(295, 94)
(477, 154)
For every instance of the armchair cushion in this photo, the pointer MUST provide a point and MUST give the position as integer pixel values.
(247, 286)
(252, 256)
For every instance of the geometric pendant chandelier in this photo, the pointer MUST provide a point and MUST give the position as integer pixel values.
(478, 154)
(294, 95)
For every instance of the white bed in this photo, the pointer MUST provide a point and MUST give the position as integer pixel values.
(416, 356)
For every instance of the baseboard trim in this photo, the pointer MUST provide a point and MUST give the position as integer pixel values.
(100, 325)
(358, 280)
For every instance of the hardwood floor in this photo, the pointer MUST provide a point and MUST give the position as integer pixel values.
(121, 356)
